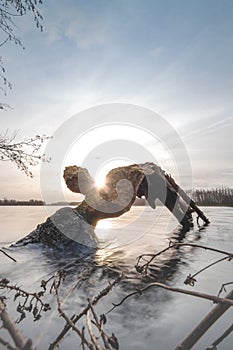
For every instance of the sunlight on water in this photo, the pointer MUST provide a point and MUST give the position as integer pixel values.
(103, 254)
(140, 223)
(141, 321)
(104, 224)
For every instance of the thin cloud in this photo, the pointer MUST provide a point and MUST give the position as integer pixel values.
(158, 51)
(80, 27)
(210, 128)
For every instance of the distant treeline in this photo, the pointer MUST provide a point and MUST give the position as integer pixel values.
(16, 202)
(204, 197)
(34, 202)
(213, 197)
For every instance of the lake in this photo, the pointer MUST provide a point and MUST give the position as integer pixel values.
(157, 319)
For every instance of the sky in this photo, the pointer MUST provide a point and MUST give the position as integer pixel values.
(173, 58)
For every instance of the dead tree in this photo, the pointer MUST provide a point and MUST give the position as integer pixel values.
(121, 188)
(116, 197)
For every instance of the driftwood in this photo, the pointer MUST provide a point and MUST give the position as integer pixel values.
(187, 199)
(68, 226)
(121, 188)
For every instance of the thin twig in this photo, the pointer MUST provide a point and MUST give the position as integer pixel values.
(90, 331)
(144, 267)
(213, 298)
(67, 319)
(75, 318)
(32, 302)
(190, 279)
(10, 257)
(210, 265)
(4, 284)
(99, 326)
(221, 338)
(223, 287)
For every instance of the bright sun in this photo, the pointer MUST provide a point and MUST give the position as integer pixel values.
(100, 180)
(106, 167)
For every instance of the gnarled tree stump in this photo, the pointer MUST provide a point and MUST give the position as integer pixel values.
(116, 197)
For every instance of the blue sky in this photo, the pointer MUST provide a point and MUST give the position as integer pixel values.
(173, 57)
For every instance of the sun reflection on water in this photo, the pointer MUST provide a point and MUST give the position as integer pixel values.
(107, 244)
(104, 224)
(103, 255)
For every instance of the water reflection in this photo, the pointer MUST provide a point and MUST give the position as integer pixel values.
(109, 260)
(143, 319)
(103, 255)
(121, 241)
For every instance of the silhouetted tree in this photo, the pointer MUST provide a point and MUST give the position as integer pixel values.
(9, 11)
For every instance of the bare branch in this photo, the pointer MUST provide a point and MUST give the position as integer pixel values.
(221, 338)
(9, 11)
(23, 153)
(190, 279)
(56, 284)
(213, 298)
(223, 287)
(144, 267)
(89, 328)
(10, 257)
(99, 325)
(75, 318)
(32, 302)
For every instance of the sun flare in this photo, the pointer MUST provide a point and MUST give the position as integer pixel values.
(100, 180)
(104, 169)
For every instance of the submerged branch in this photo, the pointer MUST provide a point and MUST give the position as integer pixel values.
(10, 257)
